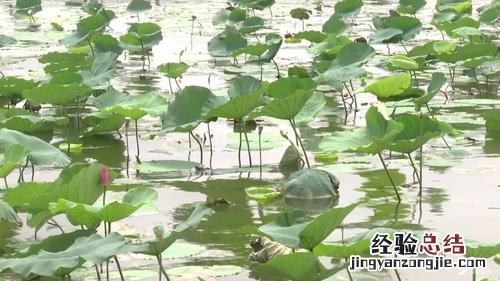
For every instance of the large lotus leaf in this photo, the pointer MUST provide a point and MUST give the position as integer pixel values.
(41, 153)
(94, 249)
(450, 26)
(28, 7)
(417, 131)
(164, 240)
(492, 117)
(243, 85)
(284, 87)
(389, 86)
(469, 51)
(106, 43)
(330, 46)
(56, 61)
(348, 8)
(410, 6)
(319, 228)
(173, 69)
(491, 15)
(286, 108)
(336, 76)
(238, 107)
(189, 108)
(253, 50)
(384, 35)
(92, 215)
(6, 40)
(13, 156)
(14, 86)
(7, 213)
(353, 53)
(334, 25)
(373, 138)
(66, 77)
(110, 98)
(32, 124)
(142, 36)
(286, 227)
(138, 6)
(256, 4)
(136, 107)
(295, 266)
(102, 70)
(437, 81)
(56, 94)
(403, 62)
(273, 43)
(313, 36)
(85, 29)
(410, 27)
(251, 25)
(223, 44)
(102, 123)
(482, 250)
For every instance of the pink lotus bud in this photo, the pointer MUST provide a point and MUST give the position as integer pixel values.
(104, 177)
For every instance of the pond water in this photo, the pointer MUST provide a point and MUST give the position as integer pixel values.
(461, 185)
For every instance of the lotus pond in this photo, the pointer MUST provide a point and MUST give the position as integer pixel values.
(244, 139)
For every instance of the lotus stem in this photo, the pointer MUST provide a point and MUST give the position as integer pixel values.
(176, 82)
(292, 123)
(248, 144)
(54, 223)
(119, 268)
(239, 147)
(190, 145)
(97, 272)
(473, 274)
(404, 47)
(345, 107)
(137, 142)
(397, 274)
(199, 145)
(162, 269)
(126, 142)
(261, 70)
(192, 30)
(277, 68)
(260, 150)
(91, 48)
(353, 97)
(421, 175)
(210, 142)
(5, 181)
(389, 176)
(415, 171)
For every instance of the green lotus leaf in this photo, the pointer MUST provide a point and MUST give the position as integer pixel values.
(389, 86)
(492, 117)
(106, 43)
(85, 29)
(30, 124)
(285, 228)
(385, 35)
(490, 15)
(348, 8)
(417, 131)
(330, 46)
(337, 75)
(410, 6)
(173, 69)
(322, 226)
(56, 61)
(136, 107)
(403, 62)
(94, 249)
(437, 81)
(13, 156)
(313, 36)
(253, 50)
(238, 107)
(28, 7)
(138, 6)
(141, 36)
(7, 213)
(300, 13)
(6, 40)
(102, 70)
(284, 87)
(457, 6)
(469, 52)
(262, 194)
(223, 44)
(256, 4)
(373, 138)
(467, 32)
(353, 53)
(334, 25)
(450, 26)
(164, 240)
(56, 94)
(237, 15)
(103, 123)
(409, 26)
(65, 77)
(243, 85)
(251, 25)
(41, 153)
(189, 108)
(482, 250)
(295, 266)
(286, 108)
(10, 86)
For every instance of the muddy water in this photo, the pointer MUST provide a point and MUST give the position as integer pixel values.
(461, 185)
